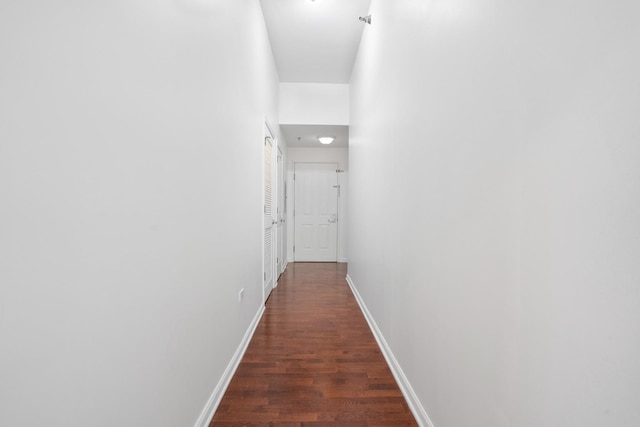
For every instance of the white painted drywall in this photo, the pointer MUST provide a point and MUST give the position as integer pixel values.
(494, 206)
(320, 155)
(130, 205)
(314, 104)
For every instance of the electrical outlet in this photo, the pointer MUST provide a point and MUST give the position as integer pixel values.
(240, 295)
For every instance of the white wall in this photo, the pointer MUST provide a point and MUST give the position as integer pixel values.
(494, 205)
(314, 104)
(130, 205)
(320, 155)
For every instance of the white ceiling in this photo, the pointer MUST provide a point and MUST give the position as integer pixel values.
(309, 134)
(315, 41)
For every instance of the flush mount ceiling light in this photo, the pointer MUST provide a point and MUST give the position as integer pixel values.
(326, 139)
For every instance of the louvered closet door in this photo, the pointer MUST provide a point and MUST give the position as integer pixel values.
(316, 212)
(269, 263)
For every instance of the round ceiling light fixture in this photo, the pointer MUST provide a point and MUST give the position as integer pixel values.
(326, 139)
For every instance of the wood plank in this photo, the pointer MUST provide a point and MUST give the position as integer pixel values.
(313, 361)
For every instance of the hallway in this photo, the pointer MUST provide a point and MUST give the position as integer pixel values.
(313, 360)
(488, 163)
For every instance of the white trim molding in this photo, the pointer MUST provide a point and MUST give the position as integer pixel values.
(214, 400)
(409, 394)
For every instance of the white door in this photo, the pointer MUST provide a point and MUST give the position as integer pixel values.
(280, 218)
(269, 220)
(316, 211)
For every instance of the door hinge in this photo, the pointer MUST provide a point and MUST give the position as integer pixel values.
(294, 248)
(339, 171)
(265, 276)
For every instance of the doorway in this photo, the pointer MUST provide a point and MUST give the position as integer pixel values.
(269, 219)
(315, 214)
(281, 216)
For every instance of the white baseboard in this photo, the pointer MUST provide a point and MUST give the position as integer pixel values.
(284, 267)
(212, 404)
(409, 394)
(343, 259)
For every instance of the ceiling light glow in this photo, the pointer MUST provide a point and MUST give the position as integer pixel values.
(326, 139)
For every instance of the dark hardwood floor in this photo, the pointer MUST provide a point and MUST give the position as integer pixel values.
(313, 361)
